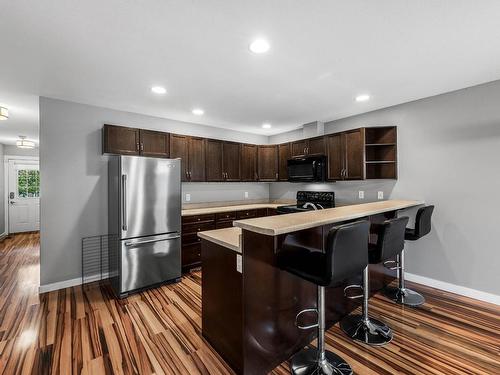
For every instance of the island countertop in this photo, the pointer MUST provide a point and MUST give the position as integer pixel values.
(281, 224)
(227, 237)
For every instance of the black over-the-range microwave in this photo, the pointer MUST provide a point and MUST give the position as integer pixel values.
(307, 169)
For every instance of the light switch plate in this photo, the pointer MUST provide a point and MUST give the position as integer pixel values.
(239, 264)
(246, 194)
(188, 197)
(361, 194)
(380, 195)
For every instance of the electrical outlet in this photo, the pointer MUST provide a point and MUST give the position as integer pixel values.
(188, 197)
(361, 194)
(380, 195)
(246, 194)
(239, 263)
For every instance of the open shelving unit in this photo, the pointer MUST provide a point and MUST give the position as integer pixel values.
(381, 152)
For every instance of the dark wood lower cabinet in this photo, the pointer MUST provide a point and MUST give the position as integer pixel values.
(193, 224)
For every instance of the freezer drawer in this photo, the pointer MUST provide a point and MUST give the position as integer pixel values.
(147, 261)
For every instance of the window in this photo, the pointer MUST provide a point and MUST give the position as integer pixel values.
(28, 183)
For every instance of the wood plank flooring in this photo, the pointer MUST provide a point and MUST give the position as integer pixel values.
(84, 330)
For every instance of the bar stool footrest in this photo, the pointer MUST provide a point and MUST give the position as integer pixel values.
(353, 286)
(304, 312)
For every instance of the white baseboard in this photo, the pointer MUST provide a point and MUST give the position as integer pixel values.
(3, 235)
(60, 285)
(457, 289)
(69, 283)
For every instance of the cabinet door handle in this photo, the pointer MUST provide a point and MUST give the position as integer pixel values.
(276, 175)
(142, 146)
(137, 146)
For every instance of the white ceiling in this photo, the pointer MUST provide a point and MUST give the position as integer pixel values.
(323, 53)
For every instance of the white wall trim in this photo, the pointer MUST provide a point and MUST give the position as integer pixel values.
(457, 289)
(59, 285)
(71, 282)
(3, 235)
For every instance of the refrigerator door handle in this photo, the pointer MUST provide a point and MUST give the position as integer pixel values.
(171, 237)
(124, 201)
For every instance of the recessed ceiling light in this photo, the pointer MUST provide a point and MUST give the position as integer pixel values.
(198, 111)
(4, 113)
(259, 46)
(362, 98)
(266, 126)
(159, 90)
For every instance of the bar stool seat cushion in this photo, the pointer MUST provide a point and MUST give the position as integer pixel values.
(411, 235)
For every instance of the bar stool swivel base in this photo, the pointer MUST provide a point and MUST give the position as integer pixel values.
(369, 331)
(306, 362)
(404, 296)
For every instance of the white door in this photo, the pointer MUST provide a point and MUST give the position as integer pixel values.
(24, 196)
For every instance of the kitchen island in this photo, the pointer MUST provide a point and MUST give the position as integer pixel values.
(249, 305)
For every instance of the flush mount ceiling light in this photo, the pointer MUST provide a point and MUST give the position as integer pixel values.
(160, 90)
(23, 143)
(259, 46)
(266, 126)
(362, 98)
(198, 111)
(4, 113)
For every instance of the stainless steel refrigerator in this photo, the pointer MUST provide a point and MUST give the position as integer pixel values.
(144, 213)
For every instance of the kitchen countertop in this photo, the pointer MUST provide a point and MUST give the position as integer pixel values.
(240, 207)
(227, 237)
(281, 224)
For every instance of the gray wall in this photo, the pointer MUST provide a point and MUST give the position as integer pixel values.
(74, 177)
(449, 150)
(217, 191)
(2, 191)
(14, 150)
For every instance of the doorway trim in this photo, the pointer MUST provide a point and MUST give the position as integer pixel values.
(6, 160)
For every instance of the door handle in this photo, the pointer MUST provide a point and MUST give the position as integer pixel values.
(12, 202)
(172, 237)
(124, 201)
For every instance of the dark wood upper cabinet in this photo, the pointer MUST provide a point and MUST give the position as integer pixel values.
(213, 160)
(364, 153)
(248, 162)
(268, 163)
(298, 148)
(196, 158)
(191, 150)
(231, 161)
(335, 152)
(154, 143)
(283, 156)
(311, 146)
(316, 146)
(121, 140)
(345, 152)
(179, 149)
(354, 154)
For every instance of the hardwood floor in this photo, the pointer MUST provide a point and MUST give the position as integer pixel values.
(84, 330)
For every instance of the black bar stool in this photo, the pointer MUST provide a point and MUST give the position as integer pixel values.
(345, 255)
(362, 327)
(401, 294)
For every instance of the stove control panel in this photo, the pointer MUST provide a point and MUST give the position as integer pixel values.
(325, 198)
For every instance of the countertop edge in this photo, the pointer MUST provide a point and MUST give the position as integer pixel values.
(272, 232)
(209, 236)
(219, 209)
